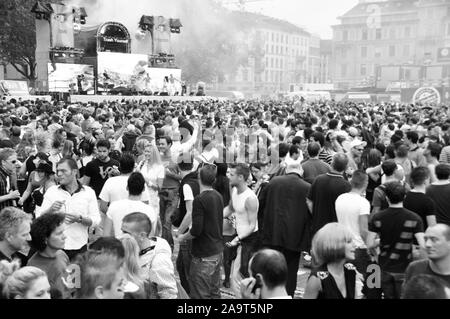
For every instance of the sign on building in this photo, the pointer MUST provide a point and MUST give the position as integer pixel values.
(427, 95)
(443, 54)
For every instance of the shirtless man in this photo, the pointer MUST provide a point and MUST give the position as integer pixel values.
(244, 206)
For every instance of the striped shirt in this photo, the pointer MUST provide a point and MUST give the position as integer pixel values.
(396, 227)
(445, 155)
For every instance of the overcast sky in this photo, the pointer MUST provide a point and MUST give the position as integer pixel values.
(316, 15)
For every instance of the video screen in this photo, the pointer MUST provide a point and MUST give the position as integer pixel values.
(71, 78)
(121, 72)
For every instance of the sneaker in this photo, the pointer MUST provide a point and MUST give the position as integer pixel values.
(226, 284)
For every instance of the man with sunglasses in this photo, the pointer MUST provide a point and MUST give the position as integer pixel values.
(8, 162)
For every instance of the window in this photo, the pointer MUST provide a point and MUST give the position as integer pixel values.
(271, 62)
(345, 35)
(273, 37)
(407, 32)
(392, 50)
(377, 52)
(392, 33)
(378, 34)
(406, 50)
(363, 52)
(407, 74)
(267, 76)
(245, 75)
(363, 69)
(344, 53)
(447, 30)
(282, 39)
(343, 70)
(267, 62)
(364, 35)
(273, 50)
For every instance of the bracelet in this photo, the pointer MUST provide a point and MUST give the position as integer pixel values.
(80, 219)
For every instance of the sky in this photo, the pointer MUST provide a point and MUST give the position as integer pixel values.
(317, 16)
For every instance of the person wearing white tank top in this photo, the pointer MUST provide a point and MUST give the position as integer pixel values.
(244, 206)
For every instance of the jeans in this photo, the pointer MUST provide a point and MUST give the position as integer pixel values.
(168, 201)
(391, 284)
(183, 263)
(205, 277)
(229, 254)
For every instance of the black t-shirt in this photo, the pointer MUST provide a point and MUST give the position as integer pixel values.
(440, 194)
(422, 267)
(23, 259)
(99, 172)
(420, 204)
(396, 227)
(324, 192)
(207, 224)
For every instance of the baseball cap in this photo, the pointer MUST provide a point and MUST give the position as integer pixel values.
(357, 143)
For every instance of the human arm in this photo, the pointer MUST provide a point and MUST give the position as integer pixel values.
(86, 180)
(108, 229)
(187, 220)
(310, 197)
(197, 221)
(26, 193)
(313, 288)
(374, 170)
(363, 221)
(431, 220)
(420, 239)
(247, 285)
(310, 205)
(11, 195)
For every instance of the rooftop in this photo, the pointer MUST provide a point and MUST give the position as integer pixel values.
(386, 7)
(262, 21)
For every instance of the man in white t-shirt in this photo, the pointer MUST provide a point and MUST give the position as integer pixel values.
(115, 188)
(133, 204)
(352, 210)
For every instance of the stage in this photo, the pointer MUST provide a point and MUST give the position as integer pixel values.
(144, 98)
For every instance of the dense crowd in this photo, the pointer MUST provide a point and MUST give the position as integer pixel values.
(174, 199)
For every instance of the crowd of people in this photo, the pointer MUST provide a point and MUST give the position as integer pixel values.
(175, 199)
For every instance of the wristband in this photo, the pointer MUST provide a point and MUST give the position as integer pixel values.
(80, 219)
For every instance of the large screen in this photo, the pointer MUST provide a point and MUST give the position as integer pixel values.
(72, 78)
(131, 72)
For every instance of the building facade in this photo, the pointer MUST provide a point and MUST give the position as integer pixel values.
(325, 61)
(279, 56)
(313, 75)
(379, 43)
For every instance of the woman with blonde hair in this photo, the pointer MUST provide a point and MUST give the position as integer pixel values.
(23, 283)
(140, 149)
(333, 277)
(134, 274)
(153, 171)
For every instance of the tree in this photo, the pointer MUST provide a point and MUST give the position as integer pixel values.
(18, 36)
